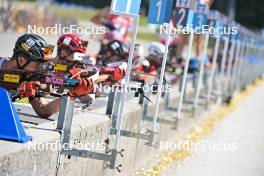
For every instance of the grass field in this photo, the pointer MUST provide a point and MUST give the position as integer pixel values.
(86, 14)
(147, 36)
(79, 14)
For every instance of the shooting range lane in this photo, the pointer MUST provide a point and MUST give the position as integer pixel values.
(88, 128)
(124, 140)
(220, 126)
(249, 142)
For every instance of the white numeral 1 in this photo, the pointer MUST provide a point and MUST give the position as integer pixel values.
(159, 9)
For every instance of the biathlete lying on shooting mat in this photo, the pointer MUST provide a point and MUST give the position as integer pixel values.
(117, 27)
(18, 72)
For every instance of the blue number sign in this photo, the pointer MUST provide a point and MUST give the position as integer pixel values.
(213, 16)
(216, 22)
(190, 13)
(126, 6)
(182, 13)
(234, 34)
(160, 11)
(200, 15)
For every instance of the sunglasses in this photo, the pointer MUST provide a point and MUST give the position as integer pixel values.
(48, 52)
(84, 43)
(49, 49)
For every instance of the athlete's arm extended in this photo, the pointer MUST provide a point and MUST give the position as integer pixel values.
(44, 108)
(101, 16)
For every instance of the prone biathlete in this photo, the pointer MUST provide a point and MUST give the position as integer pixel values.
(30, 52)
(117, 27)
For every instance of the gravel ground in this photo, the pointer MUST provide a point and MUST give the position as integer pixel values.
(244, 130)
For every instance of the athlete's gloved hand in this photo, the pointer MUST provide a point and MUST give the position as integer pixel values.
(118, 74)
(29, 89)
(86, 85)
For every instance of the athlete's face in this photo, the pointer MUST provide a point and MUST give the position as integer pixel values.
(66, 54)
(209, 2)
(113, 58)
(31, 67)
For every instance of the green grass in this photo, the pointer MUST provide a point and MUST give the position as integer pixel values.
(147, 36)
(143, 21)
(75, 13)
(86, 15)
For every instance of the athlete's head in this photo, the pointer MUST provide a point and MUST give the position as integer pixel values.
(68, 44)
(30, 51)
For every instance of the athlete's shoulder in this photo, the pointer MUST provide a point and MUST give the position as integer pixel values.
(119, 19)
(2, 60)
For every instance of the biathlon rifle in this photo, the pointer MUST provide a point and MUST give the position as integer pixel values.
(80, 60)
(13, 79)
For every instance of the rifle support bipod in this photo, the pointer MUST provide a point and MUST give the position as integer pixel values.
(64, 126)
(145, 116)
(163, 121)
(114, 99)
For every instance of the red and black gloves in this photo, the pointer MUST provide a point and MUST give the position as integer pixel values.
(31, 89)
(115, 72)
(86, 85)
(27, 89)
(118, 74)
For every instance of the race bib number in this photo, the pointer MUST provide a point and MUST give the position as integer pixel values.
(59, 67)
(11, 78)
(57, 81)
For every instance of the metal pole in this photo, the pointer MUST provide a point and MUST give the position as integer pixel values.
(249, 69)
(249, 64)
(240, 65)
(201, 71)
(231, 9)
(229, 66)
(235, 67)
(211, 77)
(243, 63)
(127, 78)
(246, 63)
(258, 64)
(260, 60)
(223, 67)
(162, 73)
(185, 74)
(254, 67)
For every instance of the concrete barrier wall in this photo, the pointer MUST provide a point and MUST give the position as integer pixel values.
(17, 159)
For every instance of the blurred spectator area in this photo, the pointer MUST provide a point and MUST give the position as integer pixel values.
(17, 15)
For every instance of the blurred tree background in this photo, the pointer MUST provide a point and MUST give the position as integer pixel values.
(246, 12)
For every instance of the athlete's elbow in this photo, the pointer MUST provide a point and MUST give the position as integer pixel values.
(44, 114)
(42, 111)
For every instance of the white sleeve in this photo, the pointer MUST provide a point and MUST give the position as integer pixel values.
(2, 60)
